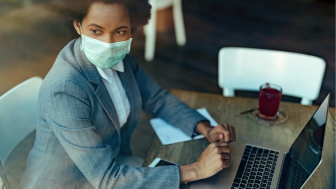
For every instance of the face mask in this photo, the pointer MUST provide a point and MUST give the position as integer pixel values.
(104, 55)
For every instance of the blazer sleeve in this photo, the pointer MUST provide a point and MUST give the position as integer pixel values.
(67, 110)
(164, 105)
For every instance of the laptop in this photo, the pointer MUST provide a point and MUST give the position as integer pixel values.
(260, 164)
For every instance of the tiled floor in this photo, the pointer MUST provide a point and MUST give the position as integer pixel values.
(31, 37)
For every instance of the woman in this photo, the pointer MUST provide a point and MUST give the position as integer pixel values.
(90, 102)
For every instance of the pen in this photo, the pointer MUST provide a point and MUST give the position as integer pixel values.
(247, 111)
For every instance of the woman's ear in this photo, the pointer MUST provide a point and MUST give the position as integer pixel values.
(76, 25)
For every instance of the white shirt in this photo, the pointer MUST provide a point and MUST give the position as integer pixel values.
(116, 90)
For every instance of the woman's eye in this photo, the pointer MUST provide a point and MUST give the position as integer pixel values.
(120, 32)
(96, 31)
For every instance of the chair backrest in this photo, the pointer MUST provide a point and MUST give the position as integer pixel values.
(18, 115)
(299, 75)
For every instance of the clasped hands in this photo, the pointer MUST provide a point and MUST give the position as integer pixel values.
(215, 157)
(220, 133)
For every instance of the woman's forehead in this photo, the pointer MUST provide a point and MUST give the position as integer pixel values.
(108, 15)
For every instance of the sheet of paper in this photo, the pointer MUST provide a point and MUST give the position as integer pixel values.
(169, 134)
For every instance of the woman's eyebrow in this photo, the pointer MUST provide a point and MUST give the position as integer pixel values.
(96, 26)
(121, 27)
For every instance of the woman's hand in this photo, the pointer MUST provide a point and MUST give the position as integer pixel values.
(220, 133)
(213, 159)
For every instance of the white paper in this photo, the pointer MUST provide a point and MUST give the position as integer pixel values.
(169, 134)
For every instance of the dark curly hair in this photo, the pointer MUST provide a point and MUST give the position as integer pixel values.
(139, 11)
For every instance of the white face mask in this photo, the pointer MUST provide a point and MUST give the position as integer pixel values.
(104, 55)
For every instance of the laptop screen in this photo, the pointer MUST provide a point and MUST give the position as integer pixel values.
(306, 151)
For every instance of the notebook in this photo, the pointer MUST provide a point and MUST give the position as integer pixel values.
(168, 134)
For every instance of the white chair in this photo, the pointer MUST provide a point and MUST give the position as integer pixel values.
(150, 29)
(18, 115)
(299, 75)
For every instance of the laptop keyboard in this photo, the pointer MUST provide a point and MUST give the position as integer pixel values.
(256, 168)
(299, 177)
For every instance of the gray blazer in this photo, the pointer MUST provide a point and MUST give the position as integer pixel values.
(78, 133)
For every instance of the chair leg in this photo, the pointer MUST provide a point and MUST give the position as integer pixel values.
(228, 92)
(150, 31)
(179, 23)
(306, 101)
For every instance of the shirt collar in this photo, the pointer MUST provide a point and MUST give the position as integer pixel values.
(119, 67)
(107, 74)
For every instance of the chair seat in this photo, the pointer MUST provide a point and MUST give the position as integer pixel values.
(162, 4)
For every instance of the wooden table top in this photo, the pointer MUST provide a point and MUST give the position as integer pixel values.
(223, 110)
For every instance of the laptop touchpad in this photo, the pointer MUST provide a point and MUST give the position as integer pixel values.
(213, 181)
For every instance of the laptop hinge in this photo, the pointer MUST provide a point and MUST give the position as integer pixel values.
(283, 173)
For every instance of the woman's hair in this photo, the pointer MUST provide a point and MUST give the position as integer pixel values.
(139, 11)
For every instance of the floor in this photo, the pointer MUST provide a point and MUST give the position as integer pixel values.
(32, 34)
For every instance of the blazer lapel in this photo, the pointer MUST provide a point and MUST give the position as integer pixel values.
(107, 104)
(94, 78)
